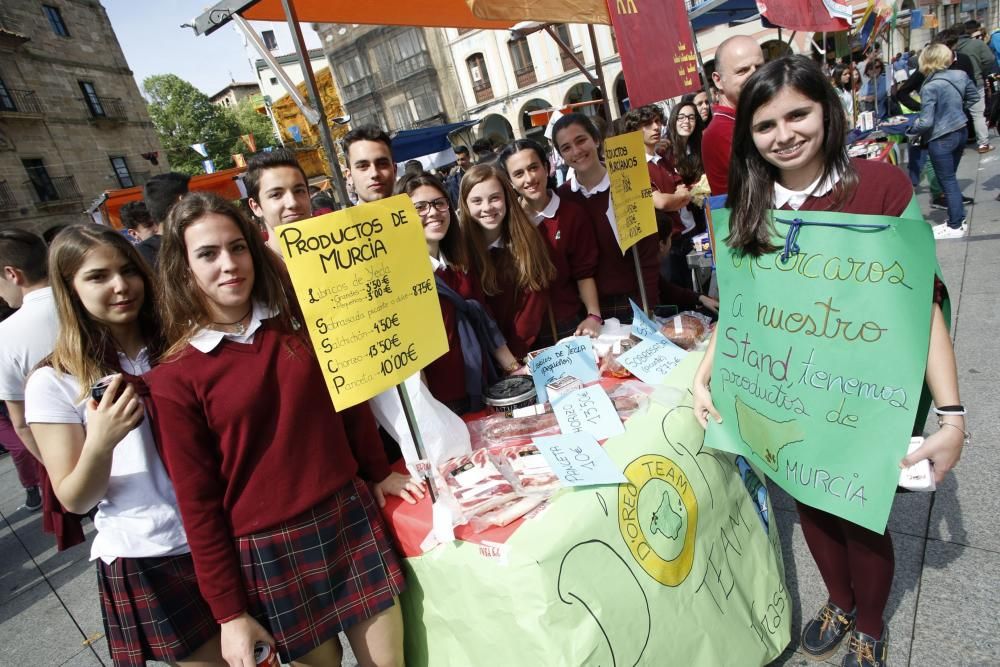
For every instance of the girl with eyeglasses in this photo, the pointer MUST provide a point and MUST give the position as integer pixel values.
(570, 239)
(475, 345)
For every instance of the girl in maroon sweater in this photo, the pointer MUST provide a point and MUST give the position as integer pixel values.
(450, 261)
(569, 237)
(288, 545)
(509, 255)
(790, 139)
(579, 144)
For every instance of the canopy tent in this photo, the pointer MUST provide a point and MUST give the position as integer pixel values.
(223, 183)
(410, 144)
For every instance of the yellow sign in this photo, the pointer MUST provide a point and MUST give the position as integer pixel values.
(631, 191)
(368, 296)
(658, 518)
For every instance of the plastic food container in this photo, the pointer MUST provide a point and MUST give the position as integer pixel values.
(517, 391)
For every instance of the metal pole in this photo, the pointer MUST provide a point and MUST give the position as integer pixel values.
(608, 109)
(418, 443)
(638, 277)
(326, 138)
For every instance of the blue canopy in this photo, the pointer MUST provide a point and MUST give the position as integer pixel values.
(410, 144)
(712, 12)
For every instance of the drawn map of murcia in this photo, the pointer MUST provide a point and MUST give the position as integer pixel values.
(766, 437)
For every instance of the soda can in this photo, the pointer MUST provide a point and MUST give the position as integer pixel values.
(264, 655)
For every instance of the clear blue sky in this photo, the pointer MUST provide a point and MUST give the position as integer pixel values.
(154, 43)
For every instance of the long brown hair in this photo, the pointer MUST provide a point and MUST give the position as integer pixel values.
(527, 249)
(451, 245)
(85, 348)
(752, 178)
(183, 306)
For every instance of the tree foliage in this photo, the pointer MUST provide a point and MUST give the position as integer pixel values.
(183, 115)
(245, 116)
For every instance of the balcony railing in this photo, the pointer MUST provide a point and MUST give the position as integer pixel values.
(106, 108)
(405, 68)
(20, 102)
(54, 190)
(483, 91)
(357, 89)
(525, 76)
(7, 200)
(567, 61)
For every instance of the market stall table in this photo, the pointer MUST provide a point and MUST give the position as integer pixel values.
(681, 565)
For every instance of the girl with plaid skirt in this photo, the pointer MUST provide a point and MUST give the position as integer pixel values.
(288, 543)
(102, 453)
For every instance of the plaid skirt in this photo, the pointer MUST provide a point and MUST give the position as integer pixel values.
(617, 305)
(152, 609)
(321, 572)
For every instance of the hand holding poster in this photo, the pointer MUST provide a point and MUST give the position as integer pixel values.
(819, 358)
(367, 292)
(631, 191)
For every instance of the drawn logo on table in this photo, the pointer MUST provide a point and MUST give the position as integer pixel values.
(658, 518)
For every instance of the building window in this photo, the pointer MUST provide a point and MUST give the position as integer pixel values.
(401, 117)
(424, 101)
(55, 20)
(520, 57)
(274, 81)
(92, 100)
(122, 173)
(567, 62)
(404, 53)
(40, 180)
(6, 100)
(351, 70)
(480, 77)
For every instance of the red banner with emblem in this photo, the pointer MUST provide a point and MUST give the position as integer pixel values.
(654, 40)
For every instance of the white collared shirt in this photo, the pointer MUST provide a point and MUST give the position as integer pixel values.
(26, 337)
(208, 339)
(548, 212)
(138, 516)
(653, 157)
(439, 262)
(796, 198)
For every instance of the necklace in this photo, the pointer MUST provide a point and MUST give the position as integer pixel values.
(240, 327)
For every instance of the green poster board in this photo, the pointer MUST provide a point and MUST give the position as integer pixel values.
(820, 359)
(680, 566)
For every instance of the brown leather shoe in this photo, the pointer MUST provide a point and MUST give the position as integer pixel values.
(985, 148)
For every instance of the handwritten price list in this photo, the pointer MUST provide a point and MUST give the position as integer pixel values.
(367, 292)
(631, 191)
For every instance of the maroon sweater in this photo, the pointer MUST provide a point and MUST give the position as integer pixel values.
(446, 375)
(519, 313)
(251, 440)
(569, 236)
(664, 179)
(883, 189)
(716, 147)
(615, 271)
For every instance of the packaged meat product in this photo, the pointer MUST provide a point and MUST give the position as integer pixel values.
(505, 514)
(528, 469)
(685, 330)
(498, 429)
(476, 484)
(609, 364)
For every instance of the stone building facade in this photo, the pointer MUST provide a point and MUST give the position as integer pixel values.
(72, 121)
(232, 94)
(398, 78)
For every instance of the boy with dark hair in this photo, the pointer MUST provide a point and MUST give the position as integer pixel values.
(483, 148)
(142, 228)
(371, 171)
(454, 181)
(277, 191)
(162, 191)
(26, 337)
(983, 64)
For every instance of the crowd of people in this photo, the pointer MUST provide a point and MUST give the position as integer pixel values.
(164, 386)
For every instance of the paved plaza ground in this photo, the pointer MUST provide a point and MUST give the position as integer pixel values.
(941, 610)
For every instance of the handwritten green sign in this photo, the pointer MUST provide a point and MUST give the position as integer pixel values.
(820, 356)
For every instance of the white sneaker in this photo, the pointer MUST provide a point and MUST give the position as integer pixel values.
(946, 232)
